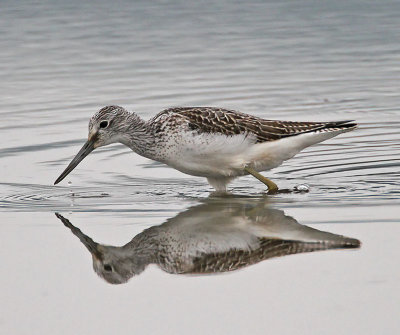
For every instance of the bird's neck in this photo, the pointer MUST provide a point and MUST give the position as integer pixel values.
(138, 136)
(142, 249)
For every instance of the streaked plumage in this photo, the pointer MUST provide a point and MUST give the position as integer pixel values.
(210, 238)
(213, 120)
(215, 143)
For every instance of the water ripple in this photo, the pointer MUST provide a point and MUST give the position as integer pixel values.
(49, 97)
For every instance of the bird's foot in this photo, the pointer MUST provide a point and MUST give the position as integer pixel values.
(296, 189)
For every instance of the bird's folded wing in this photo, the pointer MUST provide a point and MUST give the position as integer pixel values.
(230, 123)
(238, 258)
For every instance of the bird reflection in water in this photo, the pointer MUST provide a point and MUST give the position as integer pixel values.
(213, 237)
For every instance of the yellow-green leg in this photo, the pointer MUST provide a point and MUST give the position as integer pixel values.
(272, 187)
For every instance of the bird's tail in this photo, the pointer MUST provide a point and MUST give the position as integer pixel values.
(325, 132)
(341, 126)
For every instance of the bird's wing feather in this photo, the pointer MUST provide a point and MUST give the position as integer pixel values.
(236, 258)
(229, 122)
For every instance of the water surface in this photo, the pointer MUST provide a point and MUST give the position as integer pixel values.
(61, 62)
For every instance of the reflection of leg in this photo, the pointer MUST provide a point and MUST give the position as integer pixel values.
(272, 187)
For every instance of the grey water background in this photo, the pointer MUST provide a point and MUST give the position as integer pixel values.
(293, 60)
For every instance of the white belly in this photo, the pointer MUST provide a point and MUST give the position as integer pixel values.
(217, 155)
(221, 156)
(209, 155)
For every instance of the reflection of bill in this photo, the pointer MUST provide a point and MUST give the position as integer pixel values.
(210, 238)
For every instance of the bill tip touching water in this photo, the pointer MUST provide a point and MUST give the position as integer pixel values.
(215, 143)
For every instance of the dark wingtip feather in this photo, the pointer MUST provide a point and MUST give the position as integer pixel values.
(341, 124)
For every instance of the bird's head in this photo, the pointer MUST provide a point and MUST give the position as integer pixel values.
(105, 127)
(116, 265)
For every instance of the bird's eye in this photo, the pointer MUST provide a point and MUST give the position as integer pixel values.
(103, 124)
(107, 267)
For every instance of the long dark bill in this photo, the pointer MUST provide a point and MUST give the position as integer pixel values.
(86, 150)
(91, 245)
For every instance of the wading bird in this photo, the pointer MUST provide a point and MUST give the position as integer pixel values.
(210, 142)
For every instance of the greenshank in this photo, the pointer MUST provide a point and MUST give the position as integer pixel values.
(209, 238)
(215, 143)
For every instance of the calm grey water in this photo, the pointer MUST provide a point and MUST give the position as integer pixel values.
(305, 60)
